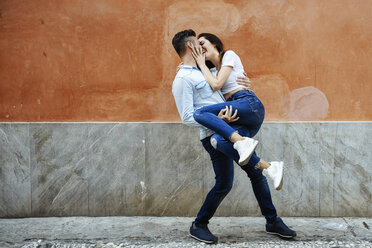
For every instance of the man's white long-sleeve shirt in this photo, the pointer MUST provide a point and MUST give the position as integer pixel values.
(191, 91)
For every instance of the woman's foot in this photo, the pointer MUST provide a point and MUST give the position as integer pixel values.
(275, 172)
(245, 149)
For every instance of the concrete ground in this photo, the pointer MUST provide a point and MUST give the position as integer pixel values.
(173, 232)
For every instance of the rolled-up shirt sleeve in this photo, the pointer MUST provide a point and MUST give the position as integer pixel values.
(183, 96)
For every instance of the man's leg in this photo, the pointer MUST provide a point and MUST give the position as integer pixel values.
(224, 170)
(259, 183)
(274, 224)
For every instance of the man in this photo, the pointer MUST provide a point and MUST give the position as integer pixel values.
(188, 98)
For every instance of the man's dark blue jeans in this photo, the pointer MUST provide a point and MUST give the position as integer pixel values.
(223, 166)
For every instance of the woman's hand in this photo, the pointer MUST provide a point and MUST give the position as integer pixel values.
(199, 56)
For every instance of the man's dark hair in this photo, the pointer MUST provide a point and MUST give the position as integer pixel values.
(180, 40)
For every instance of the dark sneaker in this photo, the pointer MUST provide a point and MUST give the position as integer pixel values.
(202, 233)
(279, 228)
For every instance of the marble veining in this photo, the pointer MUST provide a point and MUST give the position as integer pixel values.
(161, 169)
(15, 188)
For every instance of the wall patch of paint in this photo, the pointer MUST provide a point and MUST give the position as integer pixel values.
(307, 103)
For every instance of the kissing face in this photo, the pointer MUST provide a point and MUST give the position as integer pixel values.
(208, 48)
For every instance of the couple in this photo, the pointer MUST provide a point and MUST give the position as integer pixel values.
(210, 97)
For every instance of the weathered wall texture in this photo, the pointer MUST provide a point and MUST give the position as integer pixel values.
(107, 60)
(68, 169)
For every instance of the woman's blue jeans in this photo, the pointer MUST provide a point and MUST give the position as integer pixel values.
(251, 114)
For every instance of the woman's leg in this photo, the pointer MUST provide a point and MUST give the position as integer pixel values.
(251, 114)
(208, 117)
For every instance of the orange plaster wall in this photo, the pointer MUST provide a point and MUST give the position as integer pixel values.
(105, 60)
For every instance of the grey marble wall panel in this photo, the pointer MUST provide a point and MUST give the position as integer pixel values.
(101, 169)
(15, 185)
(326, 141)
(302, 164)
(59, 169)
(352, 183)
(272, 147)
(176, 165)
(116, 174)
(308, 152)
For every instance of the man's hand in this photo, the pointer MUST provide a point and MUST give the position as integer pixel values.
(244, 81)
(226, 114)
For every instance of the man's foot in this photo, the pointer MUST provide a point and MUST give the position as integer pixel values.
(201, 232)
(245, 149)
(278, 227)
(275, 172)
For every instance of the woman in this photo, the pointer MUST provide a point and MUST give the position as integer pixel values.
(227, 67)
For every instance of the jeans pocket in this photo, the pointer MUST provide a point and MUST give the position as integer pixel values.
(257, 108)
(203, 89)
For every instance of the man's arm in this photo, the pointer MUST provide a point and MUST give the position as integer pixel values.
(244, 81)
(183, 95)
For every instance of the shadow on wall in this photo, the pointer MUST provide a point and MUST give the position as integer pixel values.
(224, 19)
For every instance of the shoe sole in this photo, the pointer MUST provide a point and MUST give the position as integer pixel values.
(283, 236)
(280, 185)
(281, 181)
(245, 161)
(205, 241)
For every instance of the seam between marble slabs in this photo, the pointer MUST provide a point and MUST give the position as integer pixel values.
(29, 166)
(333, 171)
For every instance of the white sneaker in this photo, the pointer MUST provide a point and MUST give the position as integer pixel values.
(275, 172)
(245, 149)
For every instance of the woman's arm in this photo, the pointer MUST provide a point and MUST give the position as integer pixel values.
(223, 74)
